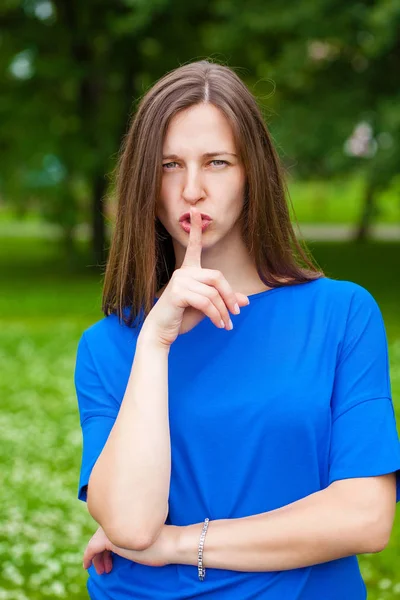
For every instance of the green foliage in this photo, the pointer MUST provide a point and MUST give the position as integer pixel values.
(43, 527)
(71, 74)
(320, 68)
(74, 76)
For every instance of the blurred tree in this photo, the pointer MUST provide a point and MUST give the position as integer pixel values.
(325, 72)
(330, 70)
(73, 71)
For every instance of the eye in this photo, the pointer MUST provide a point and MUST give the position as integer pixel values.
(169, 167)
(220, 161)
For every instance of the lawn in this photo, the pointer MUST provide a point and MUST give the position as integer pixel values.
(341, 201)
(43, 311)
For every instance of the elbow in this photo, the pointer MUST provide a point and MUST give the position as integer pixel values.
(370, 505)
(380, 544)
(124, 534)
(119, 527)
(120, 532)
(93, 506)
(124, 538)
(376, 534)
(374, 544)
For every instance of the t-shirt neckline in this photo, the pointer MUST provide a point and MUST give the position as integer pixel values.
(258, 295)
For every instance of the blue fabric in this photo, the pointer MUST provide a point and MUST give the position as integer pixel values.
(295, 397)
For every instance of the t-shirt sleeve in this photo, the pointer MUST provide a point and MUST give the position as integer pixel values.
(97, 410)
(364, 438)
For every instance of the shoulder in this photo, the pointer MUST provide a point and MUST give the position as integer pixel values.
(338, 305)
(105, 353)
(342, 292)
(350, 311)
(97, 331)
(107, 332)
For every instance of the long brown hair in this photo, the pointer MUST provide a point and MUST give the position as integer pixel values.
(141, 257)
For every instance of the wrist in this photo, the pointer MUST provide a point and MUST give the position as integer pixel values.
(187, 544)
(113, 548)
(148, 339)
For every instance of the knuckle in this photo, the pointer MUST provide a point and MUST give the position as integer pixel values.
(176, 275)
(176, 284)
(205, 303)
(174, 292)
(217, 275)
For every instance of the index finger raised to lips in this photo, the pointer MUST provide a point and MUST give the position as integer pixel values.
(193, 251)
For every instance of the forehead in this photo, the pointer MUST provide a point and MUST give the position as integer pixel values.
(200, 128)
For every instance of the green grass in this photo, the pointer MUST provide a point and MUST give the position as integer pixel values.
(341, 201)
(43, 311)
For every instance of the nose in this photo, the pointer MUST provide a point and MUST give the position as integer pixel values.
(193, 187)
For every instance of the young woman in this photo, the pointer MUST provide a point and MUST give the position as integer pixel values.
(239, 439)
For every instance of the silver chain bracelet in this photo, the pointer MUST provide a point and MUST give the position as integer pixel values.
(201, 571)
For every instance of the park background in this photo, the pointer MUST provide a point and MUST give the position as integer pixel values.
(326, 75)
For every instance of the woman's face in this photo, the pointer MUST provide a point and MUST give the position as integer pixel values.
(201, 168)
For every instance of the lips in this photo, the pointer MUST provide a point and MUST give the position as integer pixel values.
(186, 217)
(186, 225)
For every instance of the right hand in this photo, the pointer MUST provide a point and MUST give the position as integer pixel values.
(191, 294)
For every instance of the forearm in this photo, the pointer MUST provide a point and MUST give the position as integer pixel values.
(315, 529)
(129, 484)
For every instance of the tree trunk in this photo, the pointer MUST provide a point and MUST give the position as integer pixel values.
(68, 242)
(362, 229)
(98, 222)
(100, 184)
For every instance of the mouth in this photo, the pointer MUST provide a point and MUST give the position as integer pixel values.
(186, 225)
(186, 217)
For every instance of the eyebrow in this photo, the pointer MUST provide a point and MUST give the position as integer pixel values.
(205, 155)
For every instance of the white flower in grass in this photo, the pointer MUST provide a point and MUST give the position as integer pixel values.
(36, 580)
(384, 584)
(11, 573)
(19, 595)
(41, 548)
(11, 529)
(12, 595)
(396, 588)
(70, 572)
(73, 532)
(30, 532)
(71, 558)
(74, 588)
(17, 552)
(54, 566)
(55, 589)
(4, 548)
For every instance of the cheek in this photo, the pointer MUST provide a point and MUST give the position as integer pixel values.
(231, 188)
(232, 181)
(165, 197)
(168, 189)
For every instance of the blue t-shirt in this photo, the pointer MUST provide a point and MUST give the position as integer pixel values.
(295, 397)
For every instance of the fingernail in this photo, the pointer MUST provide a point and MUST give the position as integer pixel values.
(236, 309)
(230, 325)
